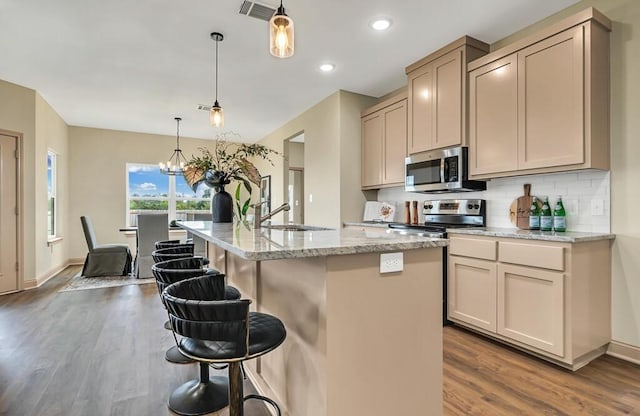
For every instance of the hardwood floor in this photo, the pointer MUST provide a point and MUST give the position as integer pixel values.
(101, 352)
(88, 353)
(483, 377)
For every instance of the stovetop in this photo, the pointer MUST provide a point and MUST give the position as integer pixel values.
(438, 215)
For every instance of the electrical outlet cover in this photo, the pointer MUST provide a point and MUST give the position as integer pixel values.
(391, 262)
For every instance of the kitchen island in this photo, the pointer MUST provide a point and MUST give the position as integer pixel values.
(359, 342)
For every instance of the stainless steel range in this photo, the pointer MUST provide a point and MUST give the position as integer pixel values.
(437, 216)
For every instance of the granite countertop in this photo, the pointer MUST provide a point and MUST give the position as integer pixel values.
(272, 244)
(565, 237)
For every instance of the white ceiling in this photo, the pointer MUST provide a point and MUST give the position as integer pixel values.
(135, 65)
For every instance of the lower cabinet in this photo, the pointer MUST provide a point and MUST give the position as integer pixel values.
(530, 307)
(472, 292)
(551, 299)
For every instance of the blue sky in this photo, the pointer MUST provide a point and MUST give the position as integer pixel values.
(146, 180)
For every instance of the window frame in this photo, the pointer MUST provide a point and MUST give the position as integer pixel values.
(52, 190)
(171, 198)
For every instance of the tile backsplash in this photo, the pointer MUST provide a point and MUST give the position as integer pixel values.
(585, 194)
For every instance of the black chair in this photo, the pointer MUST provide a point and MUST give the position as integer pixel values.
(179, 251)
(175, 270)
(167, 243)
(104, 259)
(217, 331)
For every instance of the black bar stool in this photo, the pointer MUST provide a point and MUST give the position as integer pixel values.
(175, 270)
(167, 243)
(178, 251)
(215, 330)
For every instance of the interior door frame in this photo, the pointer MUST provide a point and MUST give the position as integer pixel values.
(19, 204)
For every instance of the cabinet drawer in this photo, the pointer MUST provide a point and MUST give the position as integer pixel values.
(535, 255)
(472, 247)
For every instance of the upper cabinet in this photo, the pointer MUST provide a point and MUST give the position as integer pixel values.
(542, 104)
(384, 143)
(437, 96)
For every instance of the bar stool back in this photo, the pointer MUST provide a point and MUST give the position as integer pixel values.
(214, 330)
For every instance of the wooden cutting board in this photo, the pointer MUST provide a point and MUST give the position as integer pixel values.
(519, 210)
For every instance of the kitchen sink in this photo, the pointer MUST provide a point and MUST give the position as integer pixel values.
(295, 227)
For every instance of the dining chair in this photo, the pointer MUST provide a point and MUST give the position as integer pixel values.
(151, 228)
(104, 259)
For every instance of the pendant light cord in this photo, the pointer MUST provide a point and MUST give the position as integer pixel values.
(177, 134)
(217, 70)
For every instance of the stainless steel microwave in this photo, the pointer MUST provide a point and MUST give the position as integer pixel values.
(442, 170)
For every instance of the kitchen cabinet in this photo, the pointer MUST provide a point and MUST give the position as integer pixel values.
(551, 299)
(542, 104)
(437, 96)
(384, 143)
(472, 292)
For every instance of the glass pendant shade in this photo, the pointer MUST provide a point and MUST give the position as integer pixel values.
(281, 34)
(216, 115)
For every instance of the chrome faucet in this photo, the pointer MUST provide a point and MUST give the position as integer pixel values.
(258, 219)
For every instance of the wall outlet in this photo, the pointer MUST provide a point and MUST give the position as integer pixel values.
(391, 262)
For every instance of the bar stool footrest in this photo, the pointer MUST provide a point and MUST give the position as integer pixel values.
(265, 399)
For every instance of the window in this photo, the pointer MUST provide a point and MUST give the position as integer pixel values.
(150, 191)
(51, 194)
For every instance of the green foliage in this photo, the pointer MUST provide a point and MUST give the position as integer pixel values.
(226, 162)
(242, 209)
(148, 205)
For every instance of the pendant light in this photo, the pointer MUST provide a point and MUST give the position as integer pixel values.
(175, 164)
(281, 34)
(216, 115)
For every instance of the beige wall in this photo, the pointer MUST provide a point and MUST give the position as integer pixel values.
(18, 114)
(51, 134)
(625, 148)
(97, 177)
(330, 143)
(296, 155)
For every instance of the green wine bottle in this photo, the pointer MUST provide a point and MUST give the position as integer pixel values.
(559, 217)
(534, 215)
(546, 219)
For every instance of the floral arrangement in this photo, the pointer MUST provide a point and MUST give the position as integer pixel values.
(228, 161)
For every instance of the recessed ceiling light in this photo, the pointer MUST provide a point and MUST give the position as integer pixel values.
(380, 24)
(327, 67)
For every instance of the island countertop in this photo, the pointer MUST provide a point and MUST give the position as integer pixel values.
(273, 244)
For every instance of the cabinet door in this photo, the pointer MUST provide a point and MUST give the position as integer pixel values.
(395, 143)
(551, 101)
(420, 121)
(372, 135)
(447, 128)
(471, 292)
(493, 117)
(531, 307)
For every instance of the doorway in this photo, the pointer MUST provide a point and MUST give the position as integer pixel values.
(296, 195)
(294, 177)
(8, 213)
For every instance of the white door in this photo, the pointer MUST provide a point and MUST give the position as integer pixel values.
(8, 214)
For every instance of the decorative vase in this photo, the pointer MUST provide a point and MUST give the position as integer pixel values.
(221, 201)
(221, 205)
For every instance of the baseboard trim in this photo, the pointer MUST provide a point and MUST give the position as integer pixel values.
(39, 281)
(624, 351)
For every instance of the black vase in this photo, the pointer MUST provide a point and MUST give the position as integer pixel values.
(221, 205)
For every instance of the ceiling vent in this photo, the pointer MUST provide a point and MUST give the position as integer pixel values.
(257, 10)
(204, 107)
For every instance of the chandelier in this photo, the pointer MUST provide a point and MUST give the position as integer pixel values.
(175, 164)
